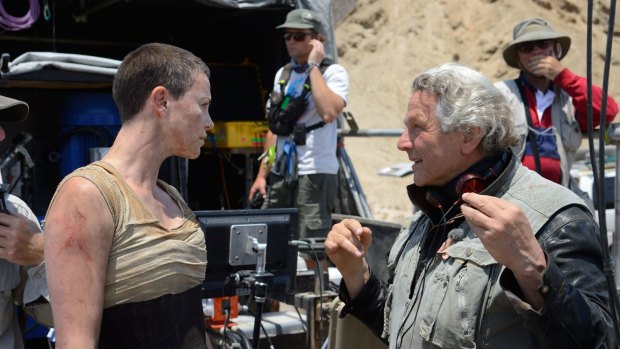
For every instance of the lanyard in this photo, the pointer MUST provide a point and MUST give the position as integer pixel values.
(530, 135)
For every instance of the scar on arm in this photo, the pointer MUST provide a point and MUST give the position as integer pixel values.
(75, 241)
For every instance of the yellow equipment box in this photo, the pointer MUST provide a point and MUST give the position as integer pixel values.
(238, 134)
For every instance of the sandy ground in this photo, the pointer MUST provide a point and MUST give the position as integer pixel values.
(384, 44)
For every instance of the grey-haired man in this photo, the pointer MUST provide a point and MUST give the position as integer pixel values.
(21, 241)
(516, 266)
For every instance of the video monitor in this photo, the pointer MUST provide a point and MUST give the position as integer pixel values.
(233, 229)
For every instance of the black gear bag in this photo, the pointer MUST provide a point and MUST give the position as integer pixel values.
(284, 111)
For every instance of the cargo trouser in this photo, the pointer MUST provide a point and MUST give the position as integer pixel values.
(313, 194)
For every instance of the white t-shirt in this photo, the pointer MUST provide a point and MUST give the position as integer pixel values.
(319, 153)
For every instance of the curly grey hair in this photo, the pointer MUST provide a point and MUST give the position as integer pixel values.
(467, 100)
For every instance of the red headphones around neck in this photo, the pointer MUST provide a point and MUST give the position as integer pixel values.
(470, 183)
(467, 183)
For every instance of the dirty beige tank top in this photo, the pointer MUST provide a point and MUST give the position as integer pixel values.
(146, 260)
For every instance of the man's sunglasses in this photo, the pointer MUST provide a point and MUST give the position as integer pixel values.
(298, 36)
(529, 46)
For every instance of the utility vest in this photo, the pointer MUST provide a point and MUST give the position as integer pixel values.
(457, 301)
(564, 125)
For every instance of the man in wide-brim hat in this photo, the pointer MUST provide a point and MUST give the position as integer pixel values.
(533, 32)
(549, 102)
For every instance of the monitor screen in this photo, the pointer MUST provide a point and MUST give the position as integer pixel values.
(281, 226)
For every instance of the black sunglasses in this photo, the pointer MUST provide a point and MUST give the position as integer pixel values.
(529, 46)
(297, 36)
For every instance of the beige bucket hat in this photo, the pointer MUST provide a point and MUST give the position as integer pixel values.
(12, 110)
(533, 29)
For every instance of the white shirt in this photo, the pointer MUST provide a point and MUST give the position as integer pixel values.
(543, 101)
(9, 279)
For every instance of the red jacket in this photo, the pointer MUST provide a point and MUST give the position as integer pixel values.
(576, 87)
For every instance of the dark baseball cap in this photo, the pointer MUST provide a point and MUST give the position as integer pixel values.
(12, 110)
(303, 19)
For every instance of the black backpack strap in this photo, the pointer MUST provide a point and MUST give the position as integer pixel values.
(530, 134)
(284, 77)
(322, 68)
(315, 126)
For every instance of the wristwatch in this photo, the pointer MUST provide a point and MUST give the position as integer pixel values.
(312, 64)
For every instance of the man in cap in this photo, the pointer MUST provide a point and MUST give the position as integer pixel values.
(549, 102)
(21, 241)
(321, 89)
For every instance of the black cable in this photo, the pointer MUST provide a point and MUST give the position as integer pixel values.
(601, 194)
(301, 319)
(235, 338)
(27, 174)
(34, 192)
(267, 336)
(15, 182)
(589, 102)
(223, 178)
(264, 330)
(599, 177)
(223, 185)
(245, 341)
(226, 319)
(320, 276)
(221, 158)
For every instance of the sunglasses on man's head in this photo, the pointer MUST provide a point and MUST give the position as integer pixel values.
(298, 36)
(529, 46)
